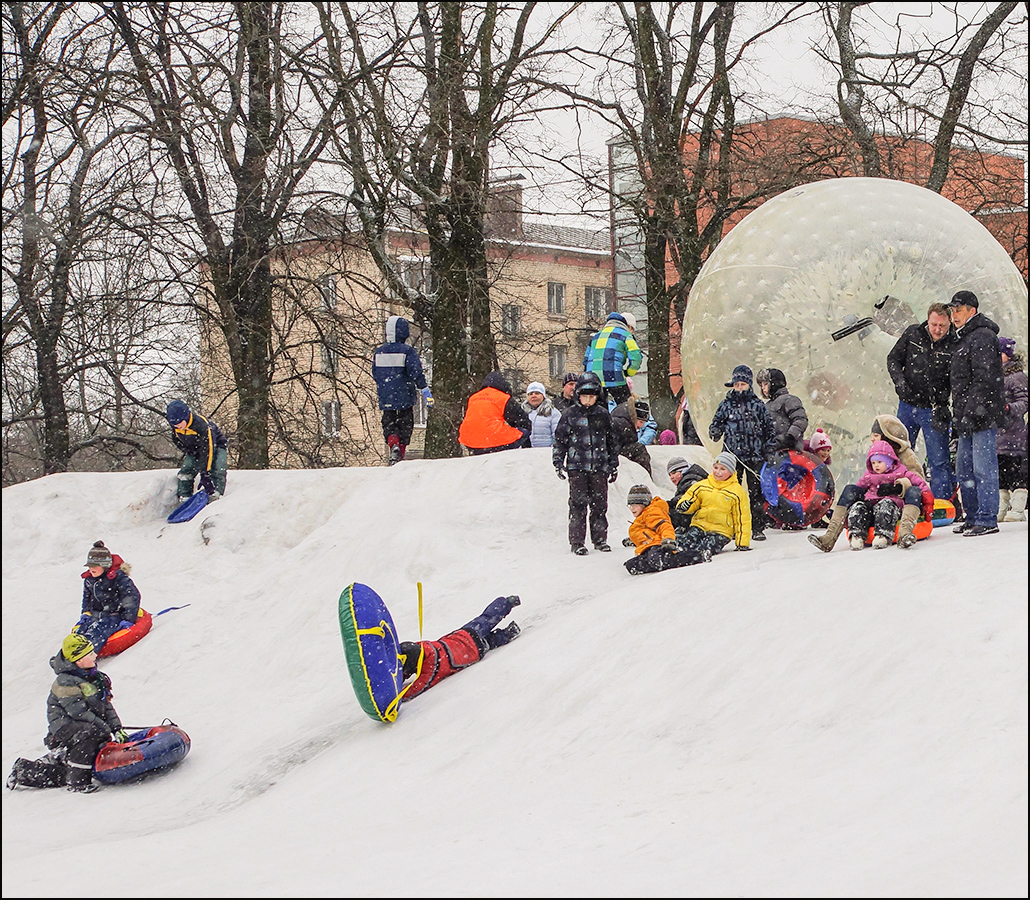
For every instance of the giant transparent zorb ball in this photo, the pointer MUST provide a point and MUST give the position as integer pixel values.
(820, 282)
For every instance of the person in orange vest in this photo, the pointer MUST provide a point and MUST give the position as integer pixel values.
(494, 420)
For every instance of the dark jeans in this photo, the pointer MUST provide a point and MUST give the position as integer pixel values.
(976, 465)
(655, 559)
(400, 422)
(588, 490)
(938, 456)
(754, 493)
(483, 625)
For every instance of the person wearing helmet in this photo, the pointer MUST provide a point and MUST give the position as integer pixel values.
(613, 355)
(585, 450)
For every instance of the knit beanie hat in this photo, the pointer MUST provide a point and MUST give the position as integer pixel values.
(728, 460)
(639, 493)
(677, 464)
(177, 412)
(535, 387)
(820, 441)
(99, 555)
(75, 647)
(667, 438)
(740, 373)
(570, 378)
(1008, 346)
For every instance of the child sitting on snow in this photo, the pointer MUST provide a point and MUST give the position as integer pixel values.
(459, 649)
(651, 532)
(720, 509)
(885, 483)
(110, 600)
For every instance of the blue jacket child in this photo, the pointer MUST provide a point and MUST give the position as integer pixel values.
(110, 600)
(397, 370)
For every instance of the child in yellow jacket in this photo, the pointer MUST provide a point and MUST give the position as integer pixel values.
(720, 508)
(652, 534)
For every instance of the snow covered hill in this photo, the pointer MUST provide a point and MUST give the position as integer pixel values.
(777, 722)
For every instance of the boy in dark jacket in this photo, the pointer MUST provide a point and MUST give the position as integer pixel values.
(747, 426)
(790, 420)
(627, 418)
(397, 369)
(81, 720)
(459, 649)
(585, 448)
(205, 449)
(110, 600)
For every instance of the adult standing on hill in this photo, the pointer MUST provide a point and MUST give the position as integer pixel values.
(613, 355)
(978, 408)
(494, 420)
(205, 451)
(568, 392)
(920, 367)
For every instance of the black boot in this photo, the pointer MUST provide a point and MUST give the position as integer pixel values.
(80, 780)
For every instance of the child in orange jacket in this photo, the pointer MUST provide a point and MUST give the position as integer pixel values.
(652, 534)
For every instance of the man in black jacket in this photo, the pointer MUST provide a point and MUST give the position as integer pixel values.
(920, 367)
(978, 407)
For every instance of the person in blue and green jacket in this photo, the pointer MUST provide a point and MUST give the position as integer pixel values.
(205, 449)
(613, 355)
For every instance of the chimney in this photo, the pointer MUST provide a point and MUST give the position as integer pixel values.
(503, 217)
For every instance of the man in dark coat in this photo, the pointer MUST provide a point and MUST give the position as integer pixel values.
(205, 449)
(585, 448)
(626, 420)
(397, 369)
(920, 367)
(978, 408)
(788, 412)
(744, 424)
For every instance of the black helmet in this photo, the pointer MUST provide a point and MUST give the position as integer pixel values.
(589, 383)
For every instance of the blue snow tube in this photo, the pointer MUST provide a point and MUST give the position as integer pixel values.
(372, 650)
(145, 750)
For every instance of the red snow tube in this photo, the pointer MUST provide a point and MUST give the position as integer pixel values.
(146, 750)
(122, 640)
(798, 488)
(922, 529)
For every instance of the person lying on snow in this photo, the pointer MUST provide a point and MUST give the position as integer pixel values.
(81, 720)
(110, 600)
(459, 649)
(652, 534)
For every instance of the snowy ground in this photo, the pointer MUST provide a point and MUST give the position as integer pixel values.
(782, 722)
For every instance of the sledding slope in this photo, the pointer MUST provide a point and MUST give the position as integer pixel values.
(780, 721)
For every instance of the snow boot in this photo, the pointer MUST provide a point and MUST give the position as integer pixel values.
(906, 539)
(603, 547)
(857, 542)
(37, 773)
(826, 541)
(579, 550)
(80, 778)
(1004, 504)
(880, 541)
(1017, 511)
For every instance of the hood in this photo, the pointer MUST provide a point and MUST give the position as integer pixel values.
(892, 428)
(777, 382)
(60, 665)
(498, 382)
(622, 318)
(588, 378)
(397, 329)
(177, 412)
(880, 448)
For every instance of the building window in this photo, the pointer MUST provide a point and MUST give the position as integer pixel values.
(327, 291)
(332, 422)
(556, 360)
(414, 272)
(330, 359)
(555, 298)
(516, 379)
(598, 302)
(511, 318)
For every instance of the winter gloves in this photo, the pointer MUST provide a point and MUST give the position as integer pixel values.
(84, 620)
(670, 545)
(121, 736)
(560, 471)
(890, 490)
(612, 475)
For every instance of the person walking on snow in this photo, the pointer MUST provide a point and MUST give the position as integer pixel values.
(110, 599)
(585, 448)
(399, 378)
(613, 355)
(205, 448)
(430, 662)
(788, 412)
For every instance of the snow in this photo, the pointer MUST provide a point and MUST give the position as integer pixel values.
(779, 722)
